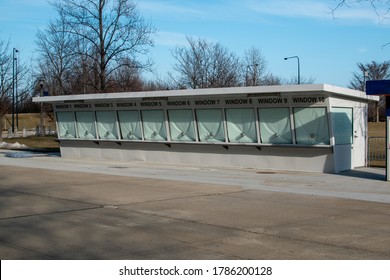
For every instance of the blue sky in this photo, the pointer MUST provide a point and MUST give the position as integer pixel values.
(328, 47)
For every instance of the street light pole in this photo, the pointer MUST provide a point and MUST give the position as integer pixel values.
(41, 128)
(16, 94)
(299, 67)
(13, 89)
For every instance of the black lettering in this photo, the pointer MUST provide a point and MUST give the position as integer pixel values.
(125, 271)
(305, 99)
(206, 102)
(150, 103)
(122, 105)
(178, 103)
(270, 100)
(103, 105)
(63, 106)
(82, 106)
(237, 101)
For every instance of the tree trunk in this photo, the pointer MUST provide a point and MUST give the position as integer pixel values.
(1, 128)
(102, 50)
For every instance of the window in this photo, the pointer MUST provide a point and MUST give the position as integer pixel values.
(107, 125)
(85, 125)
(275, 127)
(342, 122)
(210, 125)
(66, 127)
(311, 126)
(181, 124)
(241, 125)
(154, 125)
(129, 123)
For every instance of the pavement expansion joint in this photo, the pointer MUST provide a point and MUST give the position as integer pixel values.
(51, 213)
(268, 234)
(49, 196)
(174, 198)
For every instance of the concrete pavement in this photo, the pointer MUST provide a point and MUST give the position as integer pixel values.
(55, 208)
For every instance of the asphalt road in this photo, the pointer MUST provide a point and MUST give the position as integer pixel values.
(55, 208)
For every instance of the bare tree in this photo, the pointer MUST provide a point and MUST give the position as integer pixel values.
(381, 8)
(205, 65)
(254, 68)
(372, 71)
(369, 71)
(303, 80)
(127, 77)
(5, 81)
(271, 79)
(161, 84)
(112, 31)
(56, 57)
(14, 82)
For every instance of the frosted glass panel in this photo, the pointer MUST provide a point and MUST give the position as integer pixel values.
(129, 123)
(66, 127)
(311, 126)
(181, 124)
(85, 125)
(275, 125)
(154, 125)
(210, 125)
(342, 125)
(241, 125)
(106, 124)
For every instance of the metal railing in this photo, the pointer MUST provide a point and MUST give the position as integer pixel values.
(376, 154)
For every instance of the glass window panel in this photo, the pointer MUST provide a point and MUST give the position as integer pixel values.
(241, 125)
(153, 122)
(85, 125)
(275, 127)
(106, 124)
(129, 123)
(181, 124)
(210, 125)
(342, 125)
(311, 126)
(66, 126)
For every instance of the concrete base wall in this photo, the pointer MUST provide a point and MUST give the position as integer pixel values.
(277, 158)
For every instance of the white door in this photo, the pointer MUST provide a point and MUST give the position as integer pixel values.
(359, 146)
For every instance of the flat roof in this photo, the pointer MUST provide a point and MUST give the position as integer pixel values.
(212, 92)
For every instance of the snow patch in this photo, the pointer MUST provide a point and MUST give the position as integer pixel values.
(15, 145)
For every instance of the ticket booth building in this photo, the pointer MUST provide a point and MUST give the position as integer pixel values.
(319, 128)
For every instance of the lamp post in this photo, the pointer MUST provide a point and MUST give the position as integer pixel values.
(16, 94)
(299, 67)
(13, 89)
(41, 127)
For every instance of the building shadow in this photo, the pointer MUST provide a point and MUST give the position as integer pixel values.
(366, 173)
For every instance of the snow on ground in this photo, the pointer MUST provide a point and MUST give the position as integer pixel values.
(15, 145)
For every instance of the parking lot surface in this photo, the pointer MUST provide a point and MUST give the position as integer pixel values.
(56, 208)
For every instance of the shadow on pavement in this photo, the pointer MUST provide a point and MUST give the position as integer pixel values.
(366, 173)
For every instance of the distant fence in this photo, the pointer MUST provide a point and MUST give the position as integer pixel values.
(376, 155)
(27, 132)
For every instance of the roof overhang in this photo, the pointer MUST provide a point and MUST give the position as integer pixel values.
(213, 92)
